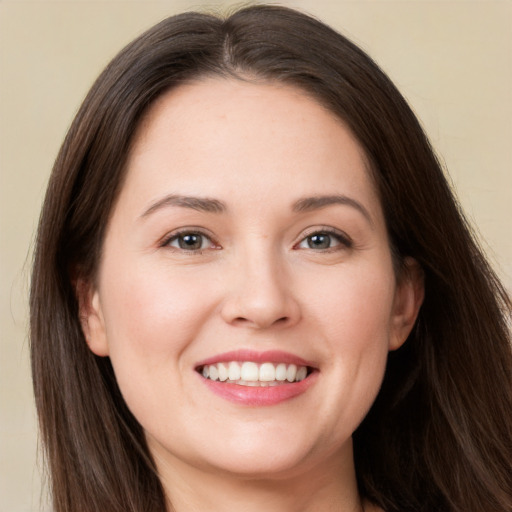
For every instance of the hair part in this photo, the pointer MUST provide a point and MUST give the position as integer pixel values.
(438, 435)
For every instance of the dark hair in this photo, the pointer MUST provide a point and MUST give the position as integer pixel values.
(438, 436)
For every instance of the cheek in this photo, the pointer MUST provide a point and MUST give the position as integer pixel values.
(356, 318)
(147, 305)
(151, 316)
(356, 305)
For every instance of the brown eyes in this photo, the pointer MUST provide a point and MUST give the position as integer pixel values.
(190, 241)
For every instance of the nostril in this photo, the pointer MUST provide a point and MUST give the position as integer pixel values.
(261, 322)
(240, 320)
(260, 311)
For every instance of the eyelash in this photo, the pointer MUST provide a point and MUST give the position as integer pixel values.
(175, 236)
(343, 240)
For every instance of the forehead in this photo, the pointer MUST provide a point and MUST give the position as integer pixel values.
(208, 105)
(223, 136)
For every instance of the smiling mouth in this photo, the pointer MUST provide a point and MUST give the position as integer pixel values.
(249, 373)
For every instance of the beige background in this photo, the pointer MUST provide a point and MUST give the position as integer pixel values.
(451, 59)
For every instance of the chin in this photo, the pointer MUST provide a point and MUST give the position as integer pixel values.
(277, 455)
(262, 466)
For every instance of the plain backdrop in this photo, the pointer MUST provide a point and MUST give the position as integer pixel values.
(451, 59)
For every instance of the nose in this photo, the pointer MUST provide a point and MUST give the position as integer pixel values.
(260, 294)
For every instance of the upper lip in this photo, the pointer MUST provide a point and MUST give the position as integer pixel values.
(268, 356)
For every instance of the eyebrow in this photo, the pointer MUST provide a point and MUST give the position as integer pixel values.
(307, 204)
(202, 204)
(208, 205)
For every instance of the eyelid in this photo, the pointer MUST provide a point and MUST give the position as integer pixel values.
(344, 239)
(188, 230)
(341, 236)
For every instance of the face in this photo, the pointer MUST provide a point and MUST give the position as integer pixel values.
(246, 294)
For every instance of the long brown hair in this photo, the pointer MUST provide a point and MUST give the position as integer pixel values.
(439, 434)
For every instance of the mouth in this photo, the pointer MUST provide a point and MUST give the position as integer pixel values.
(252, 374)
(257, 379)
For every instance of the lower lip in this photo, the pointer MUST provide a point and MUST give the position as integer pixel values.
(260, 396)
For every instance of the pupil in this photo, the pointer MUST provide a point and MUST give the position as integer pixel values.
(190, 242)
(319, 241)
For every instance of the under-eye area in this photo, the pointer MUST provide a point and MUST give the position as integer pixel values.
(253, 374)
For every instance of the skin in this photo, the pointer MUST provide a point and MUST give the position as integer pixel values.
(157, 309)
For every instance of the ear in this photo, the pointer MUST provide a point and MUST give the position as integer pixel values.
(91, 317)
(408, 299)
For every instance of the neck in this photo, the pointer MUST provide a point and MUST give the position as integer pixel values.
(329, 486)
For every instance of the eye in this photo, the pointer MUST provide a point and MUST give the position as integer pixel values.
(189, 241)
(324, 240)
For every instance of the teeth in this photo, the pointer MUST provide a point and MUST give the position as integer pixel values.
(301, 373)
(281, 372)
(223, 372)
(267, 372)
(214, 373)
(234, 371)
(253, 374)
(291, 372)
(249, 372)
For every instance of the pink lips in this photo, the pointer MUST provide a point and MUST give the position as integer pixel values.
(269, 356)
(258, 396)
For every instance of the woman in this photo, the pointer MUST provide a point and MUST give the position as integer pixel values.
(253, 288)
